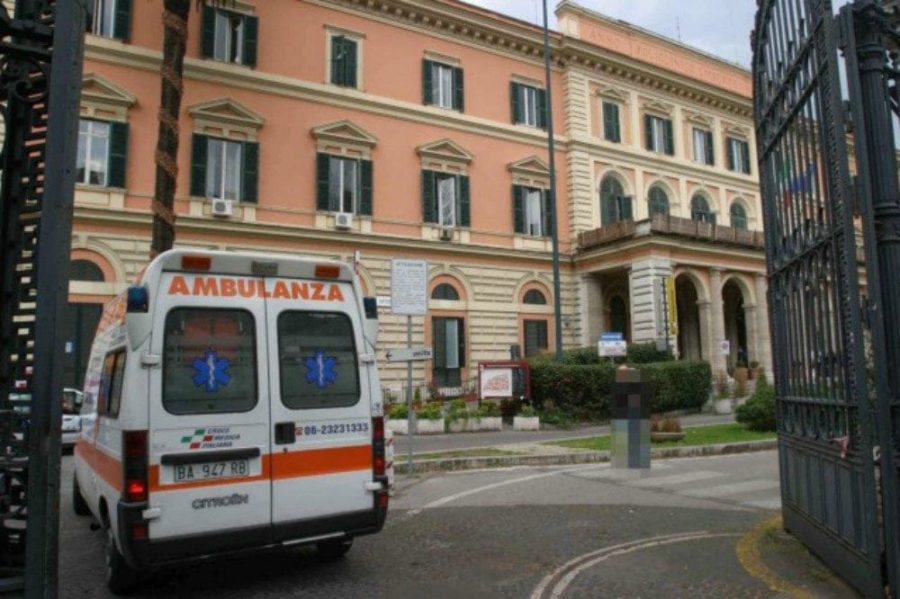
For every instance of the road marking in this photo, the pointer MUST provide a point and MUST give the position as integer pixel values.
(675, 479)
(571, 569)
(734, 488)
(750, 556)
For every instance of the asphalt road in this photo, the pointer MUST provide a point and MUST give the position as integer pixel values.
(502, 533)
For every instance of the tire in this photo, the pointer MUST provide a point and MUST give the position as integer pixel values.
(334, 549)
(120, 577)
(78, 503)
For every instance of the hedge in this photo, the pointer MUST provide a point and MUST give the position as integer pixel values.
(584, 390)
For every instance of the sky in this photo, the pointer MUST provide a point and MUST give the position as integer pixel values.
(720, 27)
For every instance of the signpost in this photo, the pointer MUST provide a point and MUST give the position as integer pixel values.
(409, 297)
(612, 345)
(409, 354)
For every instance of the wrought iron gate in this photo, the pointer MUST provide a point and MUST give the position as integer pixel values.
(40, 87)
(828, 173)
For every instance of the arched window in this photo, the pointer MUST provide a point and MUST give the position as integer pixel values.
(535, 298)
(85, 270)
(614, 204)
(445, 291)
(738, 217)
(658, 200)
(700, 210)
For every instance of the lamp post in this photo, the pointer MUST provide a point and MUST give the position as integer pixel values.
(554, 228)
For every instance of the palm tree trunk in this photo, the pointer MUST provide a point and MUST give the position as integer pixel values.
(175, 19)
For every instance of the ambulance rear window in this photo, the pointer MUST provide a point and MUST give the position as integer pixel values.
(317, 360)
(209, 361)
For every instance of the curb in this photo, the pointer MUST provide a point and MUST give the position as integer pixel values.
(582, 457)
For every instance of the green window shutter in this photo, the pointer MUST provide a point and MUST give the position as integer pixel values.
(365, 196)
(251, 38)
(648, 131)
(118, 154)
(250, 177)
(710, 157)
(459, 91)
(439, 338)
(605, 213)
(611, 122)
(730, 147)
(546, 213)
(323, 164)
(518, 208)
(429, 197)
(208, 32)
(122, 25)
(461, 335)
(626, 213)
(426, 82)
(198, 165)
(542, 108)
(515, 102)
(463, 205)
(745, 149)
(340, 49)
(670, 138)
(350, 62)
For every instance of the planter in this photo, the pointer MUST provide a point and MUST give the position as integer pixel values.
(660, 437)
(486, 423)
(398, 427)
(723, 406)
(430, 427)
(526, 423)
(742, 371)
(458, 426)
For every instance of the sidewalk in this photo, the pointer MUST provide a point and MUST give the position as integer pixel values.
(508, 438)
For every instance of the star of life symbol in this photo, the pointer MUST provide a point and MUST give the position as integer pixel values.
(320, 370)
(211, 372)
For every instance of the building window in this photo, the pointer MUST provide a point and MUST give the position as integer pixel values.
(344, 61)
(533, 297)
(224, 169)
(615, 206)
(700, 210)
(101, 153)
(659, 135)
(442, 85)
(738, 155)
(229, 36)
(111, 18)
(445, 199)
(531, 211)
(344, 184)
(529, 105)
(448, 337)
(611, 127)
(703, 147)
(445, 291)
(738, 217)
(658, 201)
(535, 337)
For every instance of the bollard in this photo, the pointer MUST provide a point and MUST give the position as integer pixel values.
(630, 426)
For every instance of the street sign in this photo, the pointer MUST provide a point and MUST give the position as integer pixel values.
(409, 354)
(612, 336)
(409, 287)
(383, 301)
(612, 345)
(725, 347)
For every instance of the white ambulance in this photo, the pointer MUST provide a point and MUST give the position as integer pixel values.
(232, 403)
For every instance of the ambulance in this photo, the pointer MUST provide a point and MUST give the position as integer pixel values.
(231, 404)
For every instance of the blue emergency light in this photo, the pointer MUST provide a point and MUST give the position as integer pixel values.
(138, 299)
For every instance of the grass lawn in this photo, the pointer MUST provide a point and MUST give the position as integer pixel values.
(698, 435)
(487, 452)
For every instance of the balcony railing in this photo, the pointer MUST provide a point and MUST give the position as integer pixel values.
(671, 225)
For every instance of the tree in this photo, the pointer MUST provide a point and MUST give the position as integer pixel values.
(175, 21)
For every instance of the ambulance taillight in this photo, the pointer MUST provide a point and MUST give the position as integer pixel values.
(378, 464)
(135, 467)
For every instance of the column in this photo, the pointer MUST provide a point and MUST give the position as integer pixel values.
(717, 321)
(646, 298)
(750, 322)
(591, 308)
(762, 324)
(706, 348)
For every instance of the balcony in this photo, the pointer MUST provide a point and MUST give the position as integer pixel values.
(661, 224)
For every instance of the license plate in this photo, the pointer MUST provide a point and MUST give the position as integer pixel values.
(183, 473)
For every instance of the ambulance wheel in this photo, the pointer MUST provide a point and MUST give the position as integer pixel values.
(120, 577)
(334, 549)
(78, 503)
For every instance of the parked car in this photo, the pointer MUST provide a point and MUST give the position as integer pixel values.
(71, 420)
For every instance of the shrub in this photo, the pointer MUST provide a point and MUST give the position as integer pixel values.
(398, 411)
(509, 407)
(646, 353)
(678, 385)
(758, 413)
(557, 418)
(431, 411)
(527, 411)
(665, 425)
(488, 409)
(458, 411)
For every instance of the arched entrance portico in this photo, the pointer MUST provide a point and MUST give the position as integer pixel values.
(735, 325)
(690, 345)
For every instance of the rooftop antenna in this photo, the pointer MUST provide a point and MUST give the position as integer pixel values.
(678, 27)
